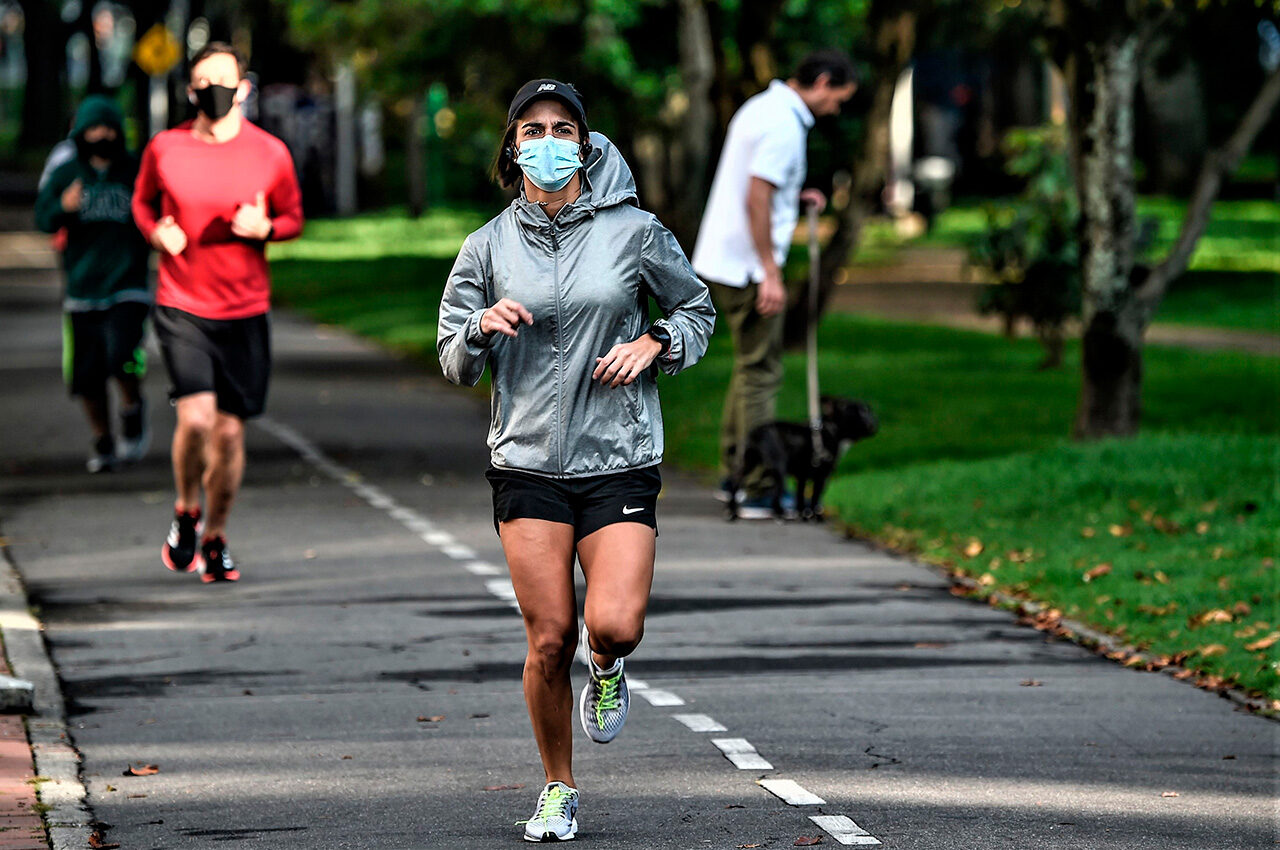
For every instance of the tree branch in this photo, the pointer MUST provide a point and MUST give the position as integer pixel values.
(1217, 166)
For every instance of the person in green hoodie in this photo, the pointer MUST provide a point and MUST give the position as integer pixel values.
(107, 298)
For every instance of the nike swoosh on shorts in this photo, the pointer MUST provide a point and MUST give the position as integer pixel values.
(628, 511)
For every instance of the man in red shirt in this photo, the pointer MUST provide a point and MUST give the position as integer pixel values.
(209, 195)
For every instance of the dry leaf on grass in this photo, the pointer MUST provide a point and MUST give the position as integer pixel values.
(973, 549)
(807, 841)
(515, 786)
(1097, 572)
(142, 770)
(1216, 615)
(1264, 643)
(1212, 650)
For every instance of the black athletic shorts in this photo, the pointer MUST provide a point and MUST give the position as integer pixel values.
(102, 344)
(228, 357)
(588, 504)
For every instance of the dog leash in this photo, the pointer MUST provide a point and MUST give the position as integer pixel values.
(815, 411)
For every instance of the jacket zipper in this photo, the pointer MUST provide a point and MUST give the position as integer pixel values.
(559, 341)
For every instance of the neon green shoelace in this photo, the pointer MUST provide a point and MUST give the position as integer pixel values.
(610, 698)
(553, 805)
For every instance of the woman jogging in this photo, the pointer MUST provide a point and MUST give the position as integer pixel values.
(553, 294)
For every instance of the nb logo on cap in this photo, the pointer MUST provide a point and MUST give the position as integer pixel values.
(547, 87)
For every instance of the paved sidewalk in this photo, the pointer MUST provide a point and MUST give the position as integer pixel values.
(21, 827)
(360, 688)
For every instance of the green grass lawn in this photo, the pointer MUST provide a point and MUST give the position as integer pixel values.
(1233, 282)
(974, 445)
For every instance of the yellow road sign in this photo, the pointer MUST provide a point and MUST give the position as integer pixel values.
(157, 51)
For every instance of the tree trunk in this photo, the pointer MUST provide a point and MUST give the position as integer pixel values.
(414, 166)
(697, 72)
(1102, 119)
(893, 32)
(44, 106)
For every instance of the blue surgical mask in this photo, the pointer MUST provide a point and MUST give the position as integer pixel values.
(549, 162)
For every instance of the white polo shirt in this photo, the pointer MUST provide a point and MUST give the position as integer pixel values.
(766, 139)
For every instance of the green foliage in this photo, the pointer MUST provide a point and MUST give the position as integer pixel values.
(1030, 245)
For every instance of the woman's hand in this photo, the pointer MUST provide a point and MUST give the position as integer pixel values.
(505, 318)
(625, 361)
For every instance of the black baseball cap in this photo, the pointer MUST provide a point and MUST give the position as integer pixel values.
(535, 89)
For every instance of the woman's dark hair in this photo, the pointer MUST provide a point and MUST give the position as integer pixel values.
(215, 47)
(504, 170)
(836, 65)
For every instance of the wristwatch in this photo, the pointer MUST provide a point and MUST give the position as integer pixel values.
(662, 335)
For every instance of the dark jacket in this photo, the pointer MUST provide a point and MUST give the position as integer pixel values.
(105, 260)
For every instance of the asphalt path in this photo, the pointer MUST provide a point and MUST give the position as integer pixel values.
(293, 710)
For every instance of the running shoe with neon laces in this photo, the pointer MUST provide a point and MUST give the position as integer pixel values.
(556, 817)
(215, 562)
(179, 550)
(605, 698)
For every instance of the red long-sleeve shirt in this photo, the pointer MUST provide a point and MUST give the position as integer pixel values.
(201, 184)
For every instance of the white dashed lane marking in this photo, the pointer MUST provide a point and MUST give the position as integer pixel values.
(737, 750)
(700, 723)
(659, 698)
(791, 793)
(742, 753)
(844, 830)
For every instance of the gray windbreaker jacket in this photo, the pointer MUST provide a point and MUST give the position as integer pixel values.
(586, 277)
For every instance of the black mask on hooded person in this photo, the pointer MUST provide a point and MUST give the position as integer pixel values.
(215, 101)
(104, 148)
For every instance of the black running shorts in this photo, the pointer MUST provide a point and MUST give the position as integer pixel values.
(588, 504)
(228, 357)
(102, 344)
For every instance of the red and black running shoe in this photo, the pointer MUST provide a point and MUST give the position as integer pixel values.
(215, 562)
(179, 550)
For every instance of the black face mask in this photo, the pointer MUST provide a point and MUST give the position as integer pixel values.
(215, 101)
(104, 148)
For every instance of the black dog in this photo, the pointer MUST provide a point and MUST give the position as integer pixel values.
(787, 448)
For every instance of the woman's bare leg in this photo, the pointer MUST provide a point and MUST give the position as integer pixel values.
(540, 556)
(617, 561)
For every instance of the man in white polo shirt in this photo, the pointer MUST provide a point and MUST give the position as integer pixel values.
(745, 233)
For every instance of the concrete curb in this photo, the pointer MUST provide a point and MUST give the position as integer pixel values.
(68, 819)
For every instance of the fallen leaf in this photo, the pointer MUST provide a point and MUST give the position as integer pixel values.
(1031, 683)
(1241, 609)
(1228, 758)
(924, 644)
(1202, 527)
(1087, 532)
(310, 554)
(748, 846)
(807, 841)
(1120, 530)
(1216, 615)
(1160, 577)
(142, 770)
(903, 586)
(515, 786)
(1184, 674)
(111, 787)
(136, 796)
(986, 579)
(96, 842)
(1212, 650)
(973, 549)
(435, 718)
(1097, 572)
(1169, 794)
(1264, 643)
(476, 716)
(740, 806)
(347, 758)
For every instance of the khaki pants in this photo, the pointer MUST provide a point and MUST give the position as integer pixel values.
(757, 375)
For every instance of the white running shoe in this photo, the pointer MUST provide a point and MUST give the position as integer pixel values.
(605, 698)
(556, 817)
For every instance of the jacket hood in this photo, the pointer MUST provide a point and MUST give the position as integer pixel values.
(609, 182)
(97, 109)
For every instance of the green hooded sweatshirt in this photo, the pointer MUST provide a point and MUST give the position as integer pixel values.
(106, 257)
